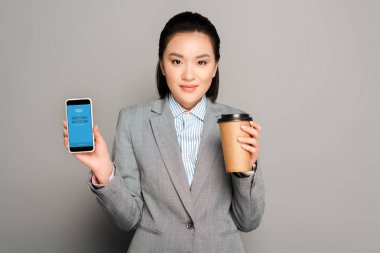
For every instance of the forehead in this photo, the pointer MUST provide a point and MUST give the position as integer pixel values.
(190, 44)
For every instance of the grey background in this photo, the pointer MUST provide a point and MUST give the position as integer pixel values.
(308, 71)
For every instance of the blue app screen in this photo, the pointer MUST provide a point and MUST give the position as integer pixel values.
(80, 127)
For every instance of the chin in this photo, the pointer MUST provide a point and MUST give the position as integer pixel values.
(192, 101)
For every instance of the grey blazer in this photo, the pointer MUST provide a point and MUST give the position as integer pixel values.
(150, 192)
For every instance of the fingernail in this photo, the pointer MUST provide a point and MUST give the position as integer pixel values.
(240, 138)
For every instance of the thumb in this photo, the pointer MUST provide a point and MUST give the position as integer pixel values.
(97, 135)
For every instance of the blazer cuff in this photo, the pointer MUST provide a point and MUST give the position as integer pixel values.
(94, 181)
(246, 173)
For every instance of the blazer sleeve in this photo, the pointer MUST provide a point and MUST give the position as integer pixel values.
(248, 202)
(121, 199)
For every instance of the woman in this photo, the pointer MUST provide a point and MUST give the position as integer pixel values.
(166, 178)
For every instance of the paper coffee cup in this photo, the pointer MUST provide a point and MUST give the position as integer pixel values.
(236, 158)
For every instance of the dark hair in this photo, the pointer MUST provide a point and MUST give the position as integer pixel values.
(187, 22)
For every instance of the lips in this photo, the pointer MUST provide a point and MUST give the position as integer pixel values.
(188, 85)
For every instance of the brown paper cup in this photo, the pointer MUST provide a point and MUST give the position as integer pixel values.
(236, 158)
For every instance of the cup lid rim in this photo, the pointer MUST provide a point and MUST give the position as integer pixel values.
(234, 117)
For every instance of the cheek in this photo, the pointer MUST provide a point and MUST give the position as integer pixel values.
(172, 75)
(206, 74)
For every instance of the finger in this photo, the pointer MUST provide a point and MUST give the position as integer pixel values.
(250, 130)
(246, 140)
(251, 149)
(65, 142)
(65, 124)
(65, 134)
(98, 137)
(255, 125)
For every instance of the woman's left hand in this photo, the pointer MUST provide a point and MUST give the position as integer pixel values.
(251, 144)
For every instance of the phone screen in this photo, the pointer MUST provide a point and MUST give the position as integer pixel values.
(79, 120)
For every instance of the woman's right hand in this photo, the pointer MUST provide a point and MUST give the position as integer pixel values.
(99, 160)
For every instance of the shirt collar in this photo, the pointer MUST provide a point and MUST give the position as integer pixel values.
(199, 110)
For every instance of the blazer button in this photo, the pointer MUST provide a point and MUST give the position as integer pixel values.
(189, 225)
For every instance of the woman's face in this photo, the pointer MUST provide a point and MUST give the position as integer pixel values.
(189, 65)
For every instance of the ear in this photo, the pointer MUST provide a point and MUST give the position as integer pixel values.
(162, 68)
(216, 68)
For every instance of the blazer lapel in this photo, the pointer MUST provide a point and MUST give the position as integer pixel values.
(165, 134)
(207, 150)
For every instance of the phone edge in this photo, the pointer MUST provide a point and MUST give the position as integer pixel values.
(92, 127)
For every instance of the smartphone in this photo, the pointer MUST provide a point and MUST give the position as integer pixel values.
(80, 125)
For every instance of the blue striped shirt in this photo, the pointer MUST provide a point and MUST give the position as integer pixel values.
(189, 126)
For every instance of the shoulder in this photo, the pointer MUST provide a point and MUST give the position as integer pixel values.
(143, 106)
(139, 111)
(135, 116)
(225, 109)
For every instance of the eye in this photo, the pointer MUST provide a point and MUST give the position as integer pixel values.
(176, 62)
(202, 62)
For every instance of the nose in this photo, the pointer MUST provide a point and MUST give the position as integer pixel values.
(188, 74)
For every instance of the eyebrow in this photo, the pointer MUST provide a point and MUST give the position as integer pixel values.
(181, 56)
